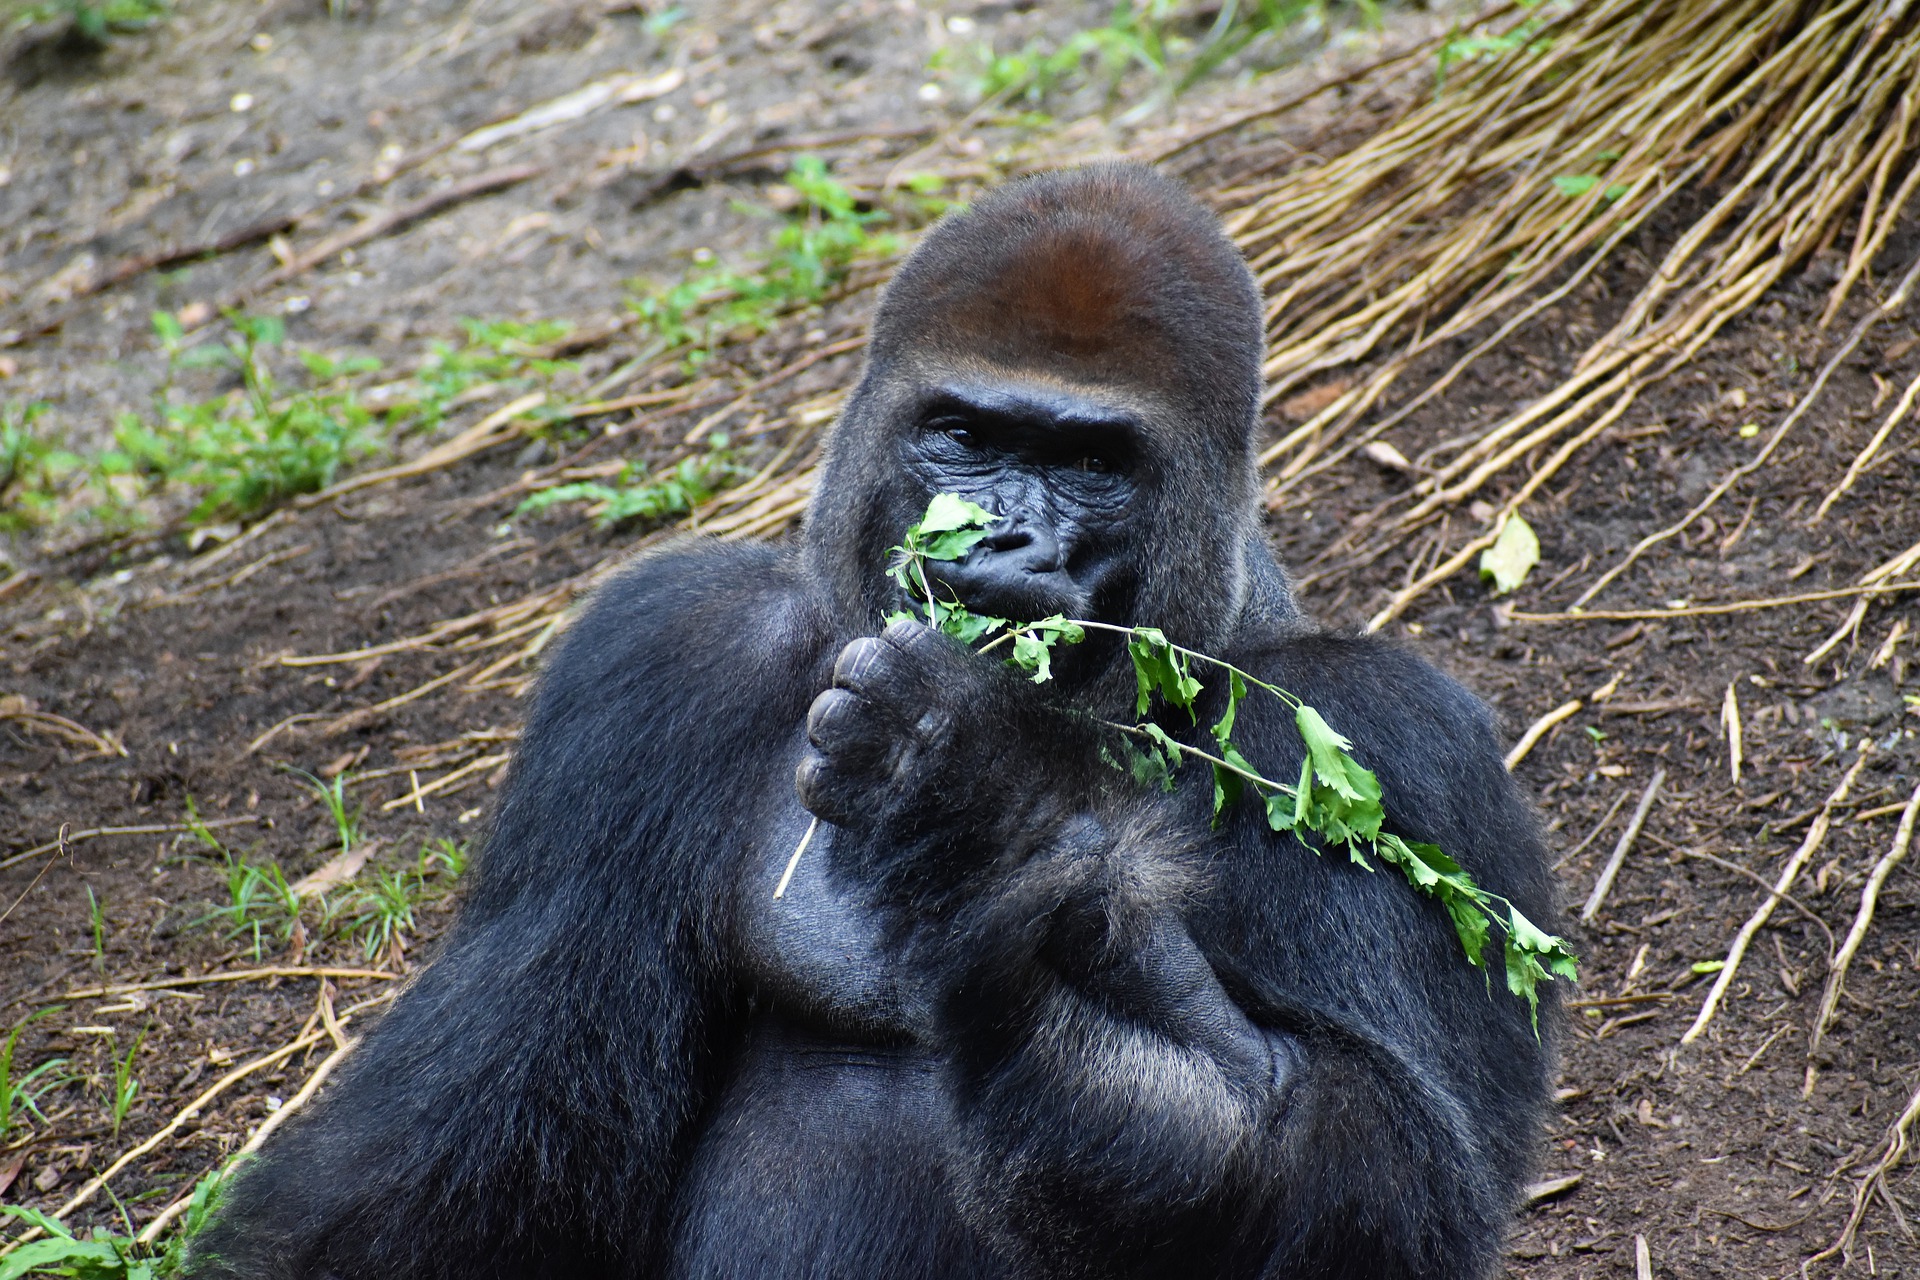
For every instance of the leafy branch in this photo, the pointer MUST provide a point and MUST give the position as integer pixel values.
(1335, 798)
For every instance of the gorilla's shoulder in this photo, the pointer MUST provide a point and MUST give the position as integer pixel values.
(694, 621)
(1433, 744)
(1372, 688)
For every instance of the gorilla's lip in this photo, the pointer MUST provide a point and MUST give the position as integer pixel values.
(1025, 597)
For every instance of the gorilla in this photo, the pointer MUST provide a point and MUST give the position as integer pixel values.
(1016, 1015)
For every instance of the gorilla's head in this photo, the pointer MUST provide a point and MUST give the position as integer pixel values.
(1079, 353)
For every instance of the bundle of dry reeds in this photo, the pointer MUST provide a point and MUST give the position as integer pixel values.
(1784, 123)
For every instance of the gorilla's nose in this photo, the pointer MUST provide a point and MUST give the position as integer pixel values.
(1024, 547)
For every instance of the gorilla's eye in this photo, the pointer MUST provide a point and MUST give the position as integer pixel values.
(956, 430)
(1096, 464)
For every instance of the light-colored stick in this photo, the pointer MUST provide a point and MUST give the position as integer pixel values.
(793, 863)
(1538, 730)
(230, 975)
(1816, 836)
(1730, 717)
(1869, 899)
(1604, 884)
(1642, 1259)
(1594, 834)
(1896, 1150)
(151, 1232)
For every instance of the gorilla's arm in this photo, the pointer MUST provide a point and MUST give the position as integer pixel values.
(1233, 1059)
(554, 1055)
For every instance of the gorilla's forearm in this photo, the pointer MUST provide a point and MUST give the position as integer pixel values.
(1122, 1115)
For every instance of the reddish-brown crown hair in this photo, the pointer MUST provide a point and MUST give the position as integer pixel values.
(1110, 275)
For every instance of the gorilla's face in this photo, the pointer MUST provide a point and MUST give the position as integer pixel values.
(1062, 468)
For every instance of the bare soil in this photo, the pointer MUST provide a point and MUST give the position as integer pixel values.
(1731, 1157)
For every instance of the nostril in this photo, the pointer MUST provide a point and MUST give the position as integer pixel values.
(1009, 539)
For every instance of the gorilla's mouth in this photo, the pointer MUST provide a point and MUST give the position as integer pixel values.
(1015, 592)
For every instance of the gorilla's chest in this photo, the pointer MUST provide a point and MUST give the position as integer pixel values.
(815, 953)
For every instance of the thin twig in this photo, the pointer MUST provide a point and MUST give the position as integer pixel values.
(1594, 834)
(1622, 847)
(1538, 730)
(1862, 921)
(230, 975)
(151, 829)
(1816, 836)
(1704, 610)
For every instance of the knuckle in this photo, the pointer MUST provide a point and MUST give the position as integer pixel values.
(858, 661)
(831, 714)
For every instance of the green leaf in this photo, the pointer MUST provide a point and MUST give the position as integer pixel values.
(1159, 667)
(950, 511)
(1575, 184)
(1470, 923)
(1512, 556)
(1030, 653)
(952, 544)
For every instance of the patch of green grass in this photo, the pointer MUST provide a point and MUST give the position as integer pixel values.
(504, 352)
(96, 20)
(105, 1255)
(20, 1094)
(295, 421)
(379, 915)
(97, 918)
(259, 898)
(1463, 48)
(674, 491)
(34, 470)
(244, 452)
(1164, 39)
(811, 251)
(346, 816)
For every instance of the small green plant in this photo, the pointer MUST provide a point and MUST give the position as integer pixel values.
(813, 248)
(1335, 799)
(504, 352)
(673, 492)
(383, 912)
(258, 895)
(445, 855)
(20, 1095)
(1463, 48)
(1157, 37)
(34, 471)
(97, 917)
(105, 1255)
(126, 1085)
(257, 447)
(333, 794)
(96, 20)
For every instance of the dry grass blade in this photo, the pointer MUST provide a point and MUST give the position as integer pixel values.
(1862, 921)
(1484, 206)
(1816, 836)
(1899, 1134)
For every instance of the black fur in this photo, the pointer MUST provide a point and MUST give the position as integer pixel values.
(1015, 1017)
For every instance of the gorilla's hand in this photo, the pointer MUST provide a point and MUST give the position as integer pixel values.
(901, 736)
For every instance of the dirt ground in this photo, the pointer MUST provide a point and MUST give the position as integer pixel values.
(1731, 1157)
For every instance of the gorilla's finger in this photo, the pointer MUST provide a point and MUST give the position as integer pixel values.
(842, 723)
(856, 662)
(929, 651)
(829, 791)
(880, 672)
